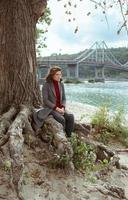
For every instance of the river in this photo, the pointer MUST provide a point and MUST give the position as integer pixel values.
(111, 93)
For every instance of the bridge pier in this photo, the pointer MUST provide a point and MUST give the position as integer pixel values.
(77, 71)
(99, 74)
(96, 73)
(74, 68)
(68, 73)
(102, 70)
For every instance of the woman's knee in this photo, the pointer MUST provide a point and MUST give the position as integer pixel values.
(58, 117)
(69, 117)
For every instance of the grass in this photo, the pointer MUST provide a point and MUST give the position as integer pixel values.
(108, 128)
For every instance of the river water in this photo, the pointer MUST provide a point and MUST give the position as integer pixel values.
(111, 93)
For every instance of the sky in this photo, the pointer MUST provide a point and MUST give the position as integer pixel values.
(61, 37)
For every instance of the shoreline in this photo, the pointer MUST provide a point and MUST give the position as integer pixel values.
(82, 112)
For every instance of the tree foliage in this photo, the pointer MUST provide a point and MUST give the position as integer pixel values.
(41, 30)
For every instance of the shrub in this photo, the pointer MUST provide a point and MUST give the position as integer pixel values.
(84, 155)
(59, 161)
(100, 118)
(107, 127)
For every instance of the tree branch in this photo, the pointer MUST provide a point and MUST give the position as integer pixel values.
(124, 24)
(38, 7)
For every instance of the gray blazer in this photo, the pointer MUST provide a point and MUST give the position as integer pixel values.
(49, 102)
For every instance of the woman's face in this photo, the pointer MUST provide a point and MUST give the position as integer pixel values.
(57, 76)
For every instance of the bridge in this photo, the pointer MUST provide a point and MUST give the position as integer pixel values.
(98, 57)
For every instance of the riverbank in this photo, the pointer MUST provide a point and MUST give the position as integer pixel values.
(82, 112)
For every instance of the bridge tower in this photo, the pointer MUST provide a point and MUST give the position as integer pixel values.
(100, 59)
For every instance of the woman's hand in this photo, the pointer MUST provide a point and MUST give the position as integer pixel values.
(60, 110)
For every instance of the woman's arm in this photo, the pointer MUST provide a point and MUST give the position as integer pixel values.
(45, 94)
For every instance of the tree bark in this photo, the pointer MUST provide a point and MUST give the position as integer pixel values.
(18, 82)
(18, 76)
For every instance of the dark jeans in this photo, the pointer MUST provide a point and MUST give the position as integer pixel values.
(67, 120)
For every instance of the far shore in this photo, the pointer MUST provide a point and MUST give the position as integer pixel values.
(106, 80)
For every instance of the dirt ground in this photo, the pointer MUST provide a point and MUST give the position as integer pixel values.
(41, 182)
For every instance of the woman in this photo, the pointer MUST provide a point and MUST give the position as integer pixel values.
(55, 101)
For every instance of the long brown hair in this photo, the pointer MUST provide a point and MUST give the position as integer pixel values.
(52, 71)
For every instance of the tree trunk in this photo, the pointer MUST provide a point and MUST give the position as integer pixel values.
(18, 84)
(19, 90)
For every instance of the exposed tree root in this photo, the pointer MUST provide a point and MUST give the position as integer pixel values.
(5, 120)
(82, 129)
(121, 150)
(113, 191)
(3, 197)
(4, 139)
(53, 131)
(29, 135)
(118, 190)
(16, 141)
(16, 138)
(102, 151)
(20, 131)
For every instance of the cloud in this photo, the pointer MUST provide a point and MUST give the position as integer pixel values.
(62, 39)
